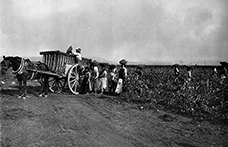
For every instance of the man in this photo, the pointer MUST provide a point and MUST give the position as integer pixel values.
(77, 53)
(113, 79)
(122, 74)
(189, 71)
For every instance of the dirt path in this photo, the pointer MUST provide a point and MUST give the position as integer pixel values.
(86, 120)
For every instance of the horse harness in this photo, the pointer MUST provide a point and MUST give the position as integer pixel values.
(25, 65)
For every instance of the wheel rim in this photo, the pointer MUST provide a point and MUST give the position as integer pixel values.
(73, 80)
(56, 84)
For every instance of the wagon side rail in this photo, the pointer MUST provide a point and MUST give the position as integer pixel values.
(56, 60)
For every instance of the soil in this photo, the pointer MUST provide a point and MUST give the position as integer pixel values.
(66, 120)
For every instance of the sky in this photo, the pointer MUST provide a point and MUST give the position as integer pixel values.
(174, 31)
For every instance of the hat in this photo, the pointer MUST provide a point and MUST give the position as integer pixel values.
(78, 50)
(139, 67)
(123, 62)
(189, 68)
(224, 64)
(176, 65)
(112, 66)
(104, 65)
(94, 62)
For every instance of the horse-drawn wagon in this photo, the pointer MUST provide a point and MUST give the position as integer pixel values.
(57, 70)
(63, 69)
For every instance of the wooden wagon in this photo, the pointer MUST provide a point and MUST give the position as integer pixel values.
(63, 70)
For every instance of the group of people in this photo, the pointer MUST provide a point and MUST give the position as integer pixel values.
(220, 71)
(177, 72)
(100, 78)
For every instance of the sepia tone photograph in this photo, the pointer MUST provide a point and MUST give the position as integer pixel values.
(114, 73)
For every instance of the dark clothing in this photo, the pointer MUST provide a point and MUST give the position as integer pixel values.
(86, 83)
(122, 73)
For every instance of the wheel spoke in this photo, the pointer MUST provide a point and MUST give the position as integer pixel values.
(74, 74)
(75, 88)
(72, 81)
(52, 80)
(60, 84)
(54, 83)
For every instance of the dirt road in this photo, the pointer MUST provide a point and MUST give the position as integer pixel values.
(65, 120)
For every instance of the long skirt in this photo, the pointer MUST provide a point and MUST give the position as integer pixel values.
(119, 87)
(86, 86)
(95, 85)
(104, 83)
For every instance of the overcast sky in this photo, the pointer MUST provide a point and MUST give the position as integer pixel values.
(138, 30)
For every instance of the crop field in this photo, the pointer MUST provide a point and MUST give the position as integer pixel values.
(204, 97)
(156, 109)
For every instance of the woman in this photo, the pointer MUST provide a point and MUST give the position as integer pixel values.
(95, 75)
(113, 79)
(86, 83)
(103, 79)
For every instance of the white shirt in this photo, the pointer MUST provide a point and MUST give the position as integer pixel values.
(78, 55)
(96, 71)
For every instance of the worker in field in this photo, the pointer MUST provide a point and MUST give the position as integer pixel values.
(95, 76)
(189, 74)
(139, 72)
(221, 71)
(122, 75)
(176, 71)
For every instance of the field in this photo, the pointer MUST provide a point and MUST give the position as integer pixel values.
(204, 97)
(155, 110)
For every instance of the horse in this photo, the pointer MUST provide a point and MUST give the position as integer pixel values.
(22, 69)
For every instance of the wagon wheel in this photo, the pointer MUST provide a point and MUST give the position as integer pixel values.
(73, 79)
(56, 84)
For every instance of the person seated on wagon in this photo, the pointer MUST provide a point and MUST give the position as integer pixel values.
(76, 52)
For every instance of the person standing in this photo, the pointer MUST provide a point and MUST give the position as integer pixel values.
(86, 83)
(113, 79)
(122, 75)
(139, 73)
(95, 75)
(103, 79)
(189, 71)
(176, 71)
